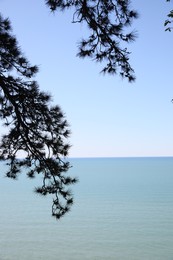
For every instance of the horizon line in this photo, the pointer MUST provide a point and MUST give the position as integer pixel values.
(95, 157)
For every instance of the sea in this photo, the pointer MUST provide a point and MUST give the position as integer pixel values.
(123, 210)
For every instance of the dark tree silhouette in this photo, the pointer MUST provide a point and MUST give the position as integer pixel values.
(34, 127)
(107, 21)
(169, 21)
(38, 129)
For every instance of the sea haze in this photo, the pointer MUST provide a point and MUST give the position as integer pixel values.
(123, 211)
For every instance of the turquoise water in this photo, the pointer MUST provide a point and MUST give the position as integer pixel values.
(123, 210)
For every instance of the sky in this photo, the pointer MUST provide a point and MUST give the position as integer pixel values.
(108, 116)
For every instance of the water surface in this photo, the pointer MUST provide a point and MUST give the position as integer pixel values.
(123, 210)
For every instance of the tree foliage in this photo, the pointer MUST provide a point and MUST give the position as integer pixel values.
(169, 21)
(38, 129)
(107, 21)
(33, 125)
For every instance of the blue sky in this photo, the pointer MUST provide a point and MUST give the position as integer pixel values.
(108, 116)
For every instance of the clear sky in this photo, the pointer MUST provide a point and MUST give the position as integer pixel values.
(108, 116)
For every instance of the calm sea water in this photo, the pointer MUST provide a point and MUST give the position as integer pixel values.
(123, 210)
